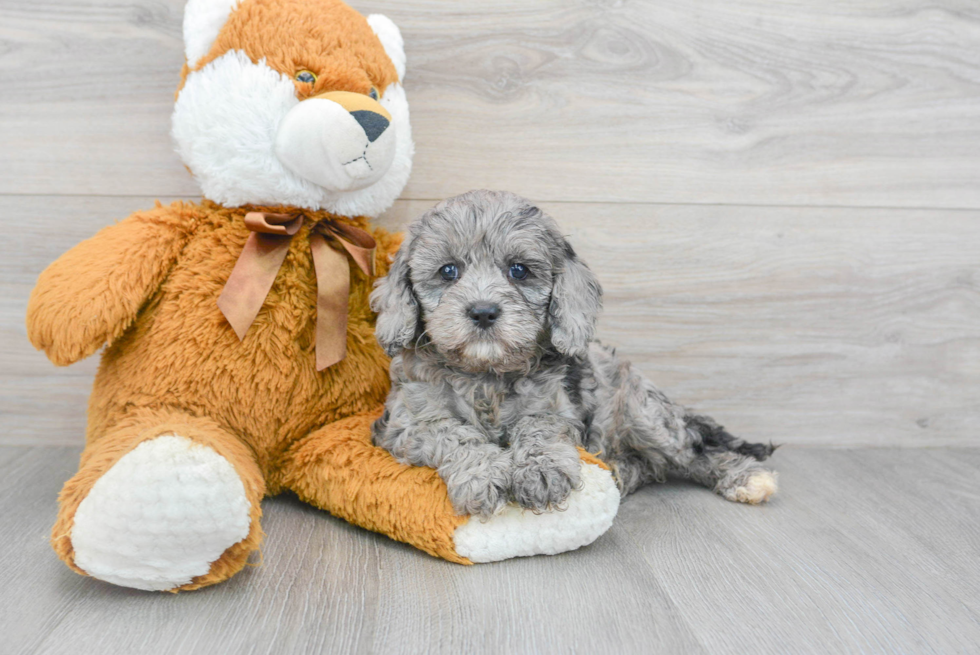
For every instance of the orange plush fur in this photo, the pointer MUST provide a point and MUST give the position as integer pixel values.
(342, 50)
(148, 287)
(174, 366)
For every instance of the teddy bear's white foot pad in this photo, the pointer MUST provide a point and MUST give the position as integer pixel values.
(160, 516)
(516, 532)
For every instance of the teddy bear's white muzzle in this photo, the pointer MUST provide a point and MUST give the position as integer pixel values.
(337, 149)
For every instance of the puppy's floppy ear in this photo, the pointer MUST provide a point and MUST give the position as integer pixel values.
(394, 301)
(576, 300)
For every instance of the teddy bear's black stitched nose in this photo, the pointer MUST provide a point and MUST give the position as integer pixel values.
(373, 123)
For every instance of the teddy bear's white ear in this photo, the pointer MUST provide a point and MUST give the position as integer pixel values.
(391, 38)
(203, 20)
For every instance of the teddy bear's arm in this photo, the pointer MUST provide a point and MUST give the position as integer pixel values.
(92, 293)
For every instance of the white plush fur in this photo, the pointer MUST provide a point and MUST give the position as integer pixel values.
(516, 532)
(225, 125)
(203, 20)
(160, 516)
(391, 38)
(321, 141)
(378, 197)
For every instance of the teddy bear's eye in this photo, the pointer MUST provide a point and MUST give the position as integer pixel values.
(306, 77)
(373, 93)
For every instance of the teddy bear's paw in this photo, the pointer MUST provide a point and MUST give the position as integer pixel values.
(515, 532)
(160, 516)
(757, 488)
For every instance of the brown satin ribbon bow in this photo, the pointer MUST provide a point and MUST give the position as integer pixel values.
(263, 255)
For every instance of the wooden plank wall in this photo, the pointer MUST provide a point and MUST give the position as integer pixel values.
(781, 199)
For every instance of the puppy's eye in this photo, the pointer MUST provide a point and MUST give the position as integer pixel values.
(449, 272)
(374, 93)
(307, 77)
(518, 271)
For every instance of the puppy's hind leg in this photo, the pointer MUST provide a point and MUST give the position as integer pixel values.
(645, 436)
(726, 463)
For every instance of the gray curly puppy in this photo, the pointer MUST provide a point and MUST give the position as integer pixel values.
(489, 317)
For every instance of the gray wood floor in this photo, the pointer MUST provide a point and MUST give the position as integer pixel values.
(782, 202)
(864, 551)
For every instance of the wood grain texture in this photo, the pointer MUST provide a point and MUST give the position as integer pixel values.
(601, 599)
(862, 551)
(819, 326)
(750, 102)
(865, 551)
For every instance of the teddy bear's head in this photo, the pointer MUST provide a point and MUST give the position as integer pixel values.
(293, 102)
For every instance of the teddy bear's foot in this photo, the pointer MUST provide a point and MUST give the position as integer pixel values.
(170, 513)
(517, 532)
(160, 516)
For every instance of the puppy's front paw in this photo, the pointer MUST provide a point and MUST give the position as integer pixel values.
(544, 479)
(479, 486)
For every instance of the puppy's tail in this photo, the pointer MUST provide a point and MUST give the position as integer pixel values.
(708, 436)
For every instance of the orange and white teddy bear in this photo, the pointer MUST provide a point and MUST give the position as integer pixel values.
(240, 357)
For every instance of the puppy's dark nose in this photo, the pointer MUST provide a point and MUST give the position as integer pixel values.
(483, 314)
(373, 123)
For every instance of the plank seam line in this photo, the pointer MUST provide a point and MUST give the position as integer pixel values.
(548, 201)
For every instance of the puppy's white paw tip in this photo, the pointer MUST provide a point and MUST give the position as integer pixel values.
(160, 516)
(757, 489)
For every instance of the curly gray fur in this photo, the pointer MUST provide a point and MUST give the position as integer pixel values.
(498, 409)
